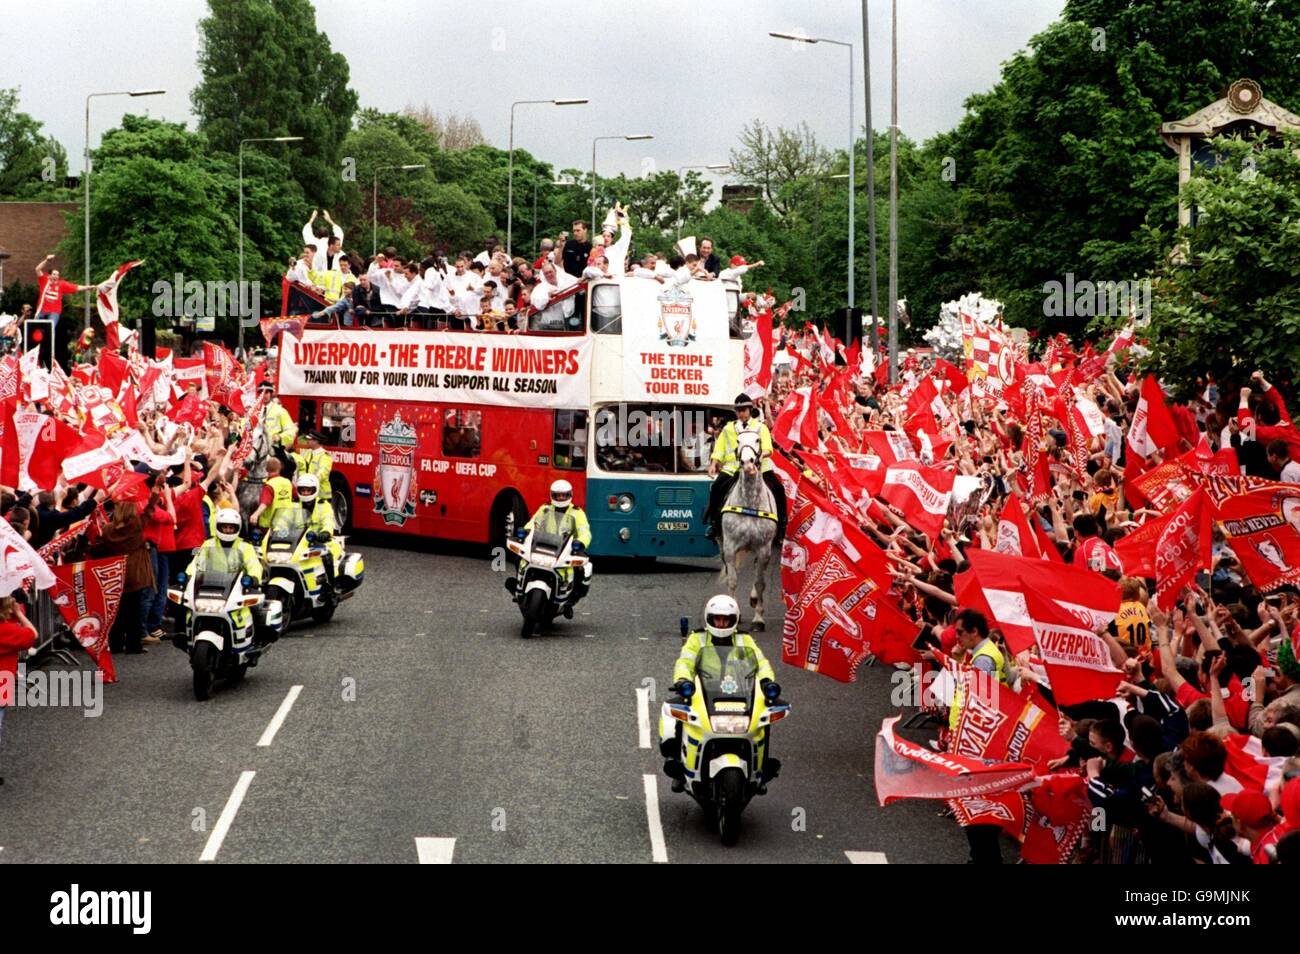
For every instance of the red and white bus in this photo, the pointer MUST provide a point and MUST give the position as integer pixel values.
(451, 434)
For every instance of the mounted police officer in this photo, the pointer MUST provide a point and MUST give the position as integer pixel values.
(725, 462)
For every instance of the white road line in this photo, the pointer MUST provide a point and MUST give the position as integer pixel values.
(435, 851)
(277, 720)
(227, 817)
(867, 857)
(643, 716)
(658, 850)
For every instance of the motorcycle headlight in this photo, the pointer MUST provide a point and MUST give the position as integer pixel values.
(730, 724)
(209, 605)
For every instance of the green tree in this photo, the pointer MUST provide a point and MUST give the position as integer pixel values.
(267, 71)
(32, 166)
(1059, 168)
(1229, 301)
(161, 194)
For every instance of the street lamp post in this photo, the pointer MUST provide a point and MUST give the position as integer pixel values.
(633, 138)
(86, 176)
(852, 295)
(510, 175)
(241, 219)
(374, 206)
(871, 181)
(893, 193)
(712, 167)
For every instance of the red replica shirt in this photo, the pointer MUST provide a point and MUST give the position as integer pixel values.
(1095, 554)
(14, 637)
(49, 295)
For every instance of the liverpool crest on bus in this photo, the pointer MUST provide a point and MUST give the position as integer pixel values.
(676, 320)
(394, 490)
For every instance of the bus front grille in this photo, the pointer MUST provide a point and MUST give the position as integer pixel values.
(673, 496)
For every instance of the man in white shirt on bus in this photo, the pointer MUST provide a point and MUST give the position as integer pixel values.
(551, 282)
(490, 246)
(300, 271)
(390, 282)
(325, 250)
(410, 300)
(459, 278)
(433, 294)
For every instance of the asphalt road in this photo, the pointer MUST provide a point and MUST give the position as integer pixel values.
(423, 715)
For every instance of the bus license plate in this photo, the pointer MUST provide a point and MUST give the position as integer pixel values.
(672, 525)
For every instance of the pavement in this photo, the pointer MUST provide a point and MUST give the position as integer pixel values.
(417, 725)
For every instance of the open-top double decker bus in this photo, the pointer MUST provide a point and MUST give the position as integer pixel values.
(456, 434)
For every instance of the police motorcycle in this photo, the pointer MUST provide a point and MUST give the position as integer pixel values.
(725, 714)
(538, 586)
(295, 558)
(225, 621)
(552, 569)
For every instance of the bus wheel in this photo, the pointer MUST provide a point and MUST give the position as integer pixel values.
(506, 504)
(341, 499)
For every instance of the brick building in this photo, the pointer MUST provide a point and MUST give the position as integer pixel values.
(28, 232)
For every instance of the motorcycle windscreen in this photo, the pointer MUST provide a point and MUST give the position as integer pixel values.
(728, 674)
(544, 541)
(216, 571)
(287, 527)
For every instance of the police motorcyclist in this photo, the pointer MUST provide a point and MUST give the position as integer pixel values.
(721, 625)
(558, 517)
(224, 547)
(320, 520)
(725, 463)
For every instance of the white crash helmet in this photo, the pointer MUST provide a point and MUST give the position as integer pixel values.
(228, 524)
(561, 494)
(726, 612)
(308, 487)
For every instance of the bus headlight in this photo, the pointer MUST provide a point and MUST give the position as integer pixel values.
(625, 503)
(625, 534)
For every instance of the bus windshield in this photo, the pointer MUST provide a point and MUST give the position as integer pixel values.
(657, 438)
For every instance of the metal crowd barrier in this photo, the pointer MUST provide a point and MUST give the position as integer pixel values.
(51, 628)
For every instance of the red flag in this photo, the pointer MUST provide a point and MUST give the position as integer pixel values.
(1182, 548)
(1077, 660)
(921, 493)
(952, 374)
(1153, 427)
(1263, 527)
(991, 585)
(997, 723)
(892, 447)
(827, 627)
(1056, 817)
(9, 455)
(797, 421)
(906, 769)
(112, 371)
(88, 597)
(1137, 550)
(190, 409)
(758, 356)
(48, 441)
(1014, 535)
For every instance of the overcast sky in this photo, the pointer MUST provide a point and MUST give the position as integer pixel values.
(689, 73)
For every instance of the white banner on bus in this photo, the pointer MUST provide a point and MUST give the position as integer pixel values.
(454, 367)
(675, 342)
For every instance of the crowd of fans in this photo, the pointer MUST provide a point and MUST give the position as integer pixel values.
(487, 290)
(1211, 689)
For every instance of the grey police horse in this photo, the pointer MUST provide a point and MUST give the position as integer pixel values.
(249, 492)
(744, 529)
